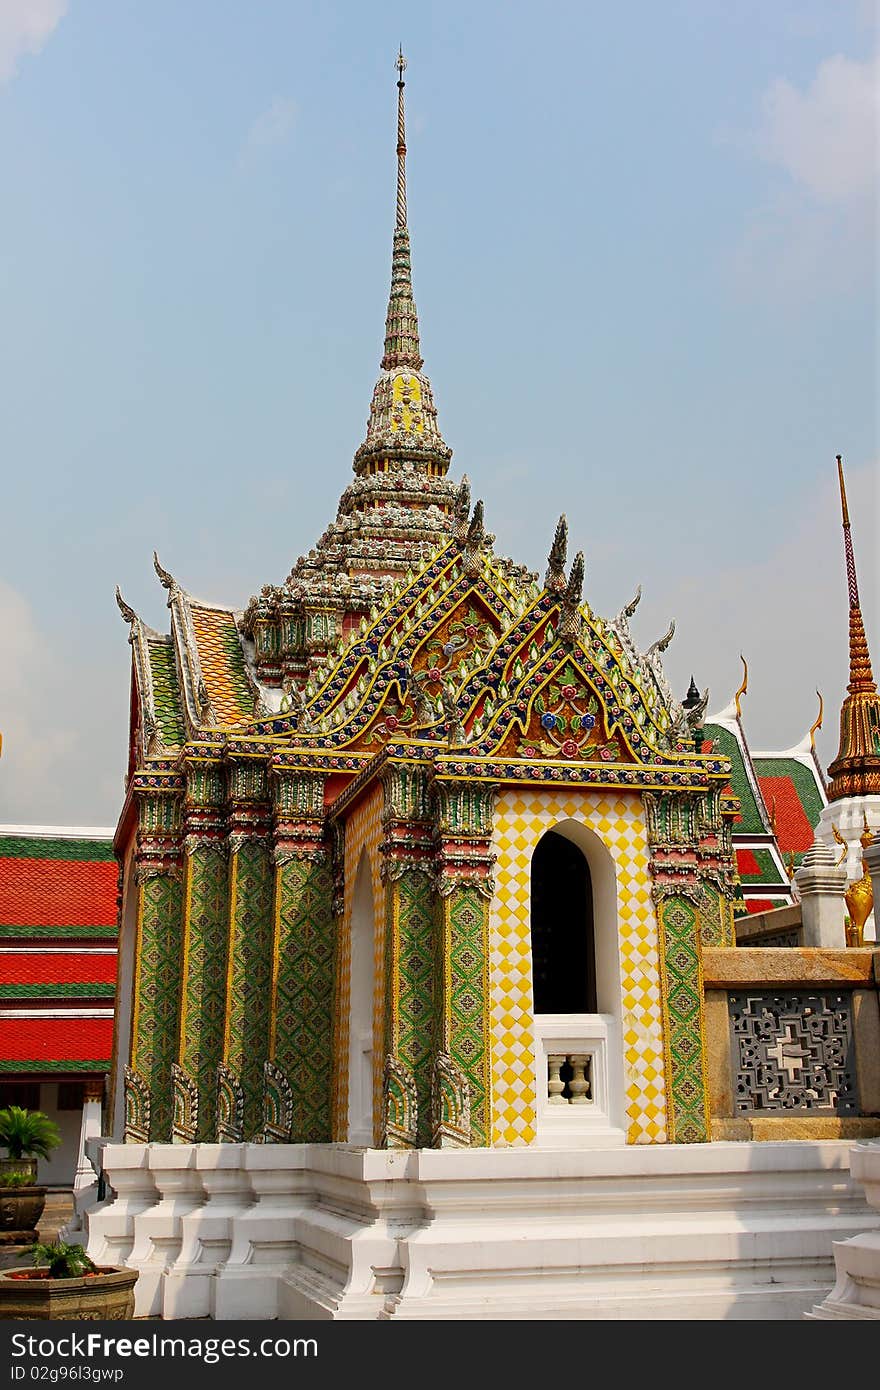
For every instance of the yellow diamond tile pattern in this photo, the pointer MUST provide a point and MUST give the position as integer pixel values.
(521, 818)
(222, 663)
(363, 831)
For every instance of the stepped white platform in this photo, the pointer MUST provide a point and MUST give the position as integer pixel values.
(723, 1230)
(856, 1293)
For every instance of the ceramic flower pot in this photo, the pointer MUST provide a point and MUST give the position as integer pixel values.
(29, 1294)
(20, 1212)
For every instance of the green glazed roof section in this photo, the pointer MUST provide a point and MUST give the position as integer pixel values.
(166, 692)
(751, 821)
(46, 847)
(768, 871)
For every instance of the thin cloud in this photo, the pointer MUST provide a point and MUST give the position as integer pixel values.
(815, 233)
(25, 27)
(825, 138)
(273, 127)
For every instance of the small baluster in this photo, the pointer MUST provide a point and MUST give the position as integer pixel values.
(555, 1083)
(579, 1085)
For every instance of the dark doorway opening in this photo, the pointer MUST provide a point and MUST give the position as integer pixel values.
(563, 959)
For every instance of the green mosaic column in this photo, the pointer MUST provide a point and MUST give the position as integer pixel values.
(410, 931)
(301, 1030)
(249, 970)
(681, 846)
(681, 975)
(462, 1099)
(156, 1004)
(205, 939)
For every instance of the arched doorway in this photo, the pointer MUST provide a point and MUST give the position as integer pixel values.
(563, 953)
(576, 989)
(360, 1022)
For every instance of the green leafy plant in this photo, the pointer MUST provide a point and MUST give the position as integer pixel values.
(64, 1261)
(16, 1179)
(27, 1133)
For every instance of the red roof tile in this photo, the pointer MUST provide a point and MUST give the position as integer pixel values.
(57, 893)
(55, 1039)
(763, 904)
(793, 830)
(71, 967)
(747, 863)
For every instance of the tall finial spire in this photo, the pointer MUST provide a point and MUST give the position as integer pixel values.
(402, 431)
(860, 674)
(401, 142)
(401, 324)
(856, 769)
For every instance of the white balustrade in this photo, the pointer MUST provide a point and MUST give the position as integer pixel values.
(574, 1089)
(574, 1103)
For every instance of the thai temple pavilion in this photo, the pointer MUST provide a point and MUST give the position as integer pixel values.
(419, 850)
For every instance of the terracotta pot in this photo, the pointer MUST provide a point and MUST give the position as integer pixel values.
(26, 1294)
(20, 1211)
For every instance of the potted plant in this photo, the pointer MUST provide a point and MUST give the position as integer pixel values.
(26, 1135)
(65, 1283)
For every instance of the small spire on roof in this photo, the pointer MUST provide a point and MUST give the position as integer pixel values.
(554, 579)
(461, 511)
(474, 540)
(692, 698)
(570, 621)
(574, 590)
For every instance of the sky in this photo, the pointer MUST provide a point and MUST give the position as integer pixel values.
(644, 257)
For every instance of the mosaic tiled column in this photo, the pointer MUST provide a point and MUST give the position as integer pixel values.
(297, 1102)
(205, 941)
(156, 1006)
(716, 866)
(461, 1082)
(678, 893)
(249, 969)
(410, 917)
(687, 1096)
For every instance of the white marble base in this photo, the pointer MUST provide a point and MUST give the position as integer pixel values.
(726, 1230)
(856, 1294)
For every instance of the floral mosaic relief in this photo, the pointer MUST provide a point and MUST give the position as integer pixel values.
(566, 721)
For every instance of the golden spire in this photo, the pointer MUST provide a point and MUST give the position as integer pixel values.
(856, 769)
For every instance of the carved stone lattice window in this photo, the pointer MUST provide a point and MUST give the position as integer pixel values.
(793, 1051)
